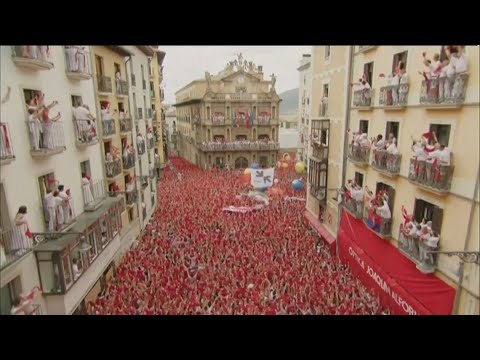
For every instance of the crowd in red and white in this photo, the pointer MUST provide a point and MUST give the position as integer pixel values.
(194, 258)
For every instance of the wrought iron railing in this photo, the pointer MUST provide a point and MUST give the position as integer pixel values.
(93, 193)
(394, 95)
(417, 250)
(14, 244)
(385, 161)
(85, 131)
(131, 196)
(113, 168)
(363, 98)
(45, 136)
(141, 147)
(125, 125)
(109, 127)
(354, 207)
(41, 53)
(447, 90)
(6, 146)
(359, 154)
(78, 60)
(104, 84)
(121, 87)
(435, 176)
(373, 221)
(129, 161)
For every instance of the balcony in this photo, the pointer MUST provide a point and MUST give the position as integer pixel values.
(78, 63)
(359, 155)
(354, 208)
(218, 120)
(85, 133)
(151, 174)
(152, 93)
(148, 113)
(32, 57)
(363, 99)
(375, 223)
(394, 97)
(134, 82)
(141, 147)
(444, 92)
(150, 143)
(121, 87)
(109, 128)
(61, 217)
(104, 85)
(157, 162)
(125, 125)
(417, 251)
(113, 168)
(46, 139)
(129, 162)
(6, 147)
(239, 146)
(93, 194)
(386, 163)
(131, 197)
(144, 181)
(436, 178)
(318, 193)
(144, 84)
(263, 121)
(15, 244)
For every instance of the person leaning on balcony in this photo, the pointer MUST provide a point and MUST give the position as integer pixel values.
(403, 88)
(35, 127)
(76, 271)
(84, 120)
(66, 203)
(459, 64)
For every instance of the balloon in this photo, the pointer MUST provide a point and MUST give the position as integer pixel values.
(275, 181)
(297, 185)
(284, 165)
(255, 166)
(247, 171)
(299, 167)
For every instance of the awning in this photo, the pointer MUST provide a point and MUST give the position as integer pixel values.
(393, 277)
(322, 231)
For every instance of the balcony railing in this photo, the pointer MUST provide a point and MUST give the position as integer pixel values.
(125, 125)
(93, 194)
(148, 113)
(381, 226)
(417, 251)
(141, 147)
(263, 120)
(113, 168)
(109, 127)
(121, 87)
(131, 197)
(15, 244)
(6, 146)
(129, 162)
(32, 56)
(394, 95)
(134, 82)
(363, 98)
(157, 162)
(386, 162)
(61, 217)
(354, 207)
(444, 91)
(359, 154)
(104, 84)
(78, 62)
(239, 146)
(152, 93)
(85, 132)
(218, 120)
(150, 143)
(434, 177)
(45, 138)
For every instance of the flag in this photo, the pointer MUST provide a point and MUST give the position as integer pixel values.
(262, 178)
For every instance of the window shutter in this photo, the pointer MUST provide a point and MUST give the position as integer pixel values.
(437, 219)
(418, 210)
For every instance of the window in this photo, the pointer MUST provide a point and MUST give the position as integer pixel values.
(76, 100)
(29, 94)
(425, 210)
(327, 52)
(399, 57)
(85, 168)
(363, 128)
(120, 107)
(143, 74)
(359, 178)
(442, 132)
(325, 90)
(99, 65)
(116, 69)
(219, 161)
(135, 105)
(274, 112)
(392, 128)
(8, 293)
(390, 193)
(263, 161)
(368, 72)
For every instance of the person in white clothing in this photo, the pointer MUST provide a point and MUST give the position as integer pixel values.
(76, 271)
(65, 204)
(395, 83)
(459, 63)
(403, 88)
(35, 127)
(60, 216)
(87, 191)
(84, 121)
(384, 211)
(50, 206)
(20, 241)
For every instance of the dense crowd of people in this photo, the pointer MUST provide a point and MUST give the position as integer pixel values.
(194, 258)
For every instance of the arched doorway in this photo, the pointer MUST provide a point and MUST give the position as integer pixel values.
(241, 162)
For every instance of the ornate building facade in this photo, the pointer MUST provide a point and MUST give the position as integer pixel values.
(229, 119)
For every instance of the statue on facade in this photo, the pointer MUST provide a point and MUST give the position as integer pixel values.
(273, 81)
(251, 66)
(229, 66)
(208, 77)
(240, 59)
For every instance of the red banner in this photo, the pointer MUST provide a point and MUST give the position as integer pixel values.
(392, 276)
